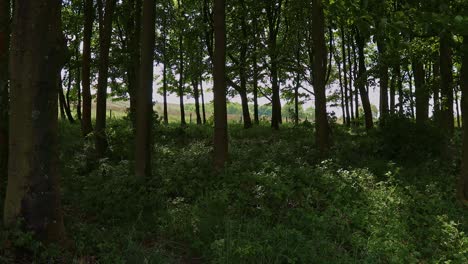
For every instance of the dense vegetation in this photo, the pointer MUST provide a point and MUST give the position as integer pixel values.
(277, 202)
(276, 152)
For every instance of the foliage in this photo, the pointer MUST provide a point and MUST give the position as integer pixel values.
(276, 202)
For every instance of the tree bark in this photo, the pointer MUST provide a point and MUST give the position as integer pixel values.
(422, 96)
(4, 93)
(446, 83)
(345, 77)
(105, 32)
(383, 76)
(196, 95)
(219, 80)
(202, 100)
(436, 89)
(33, 192)
(144, 110)
(463, 179)
(319, 71)
(86, 126)
(181, 81)
(361, 83)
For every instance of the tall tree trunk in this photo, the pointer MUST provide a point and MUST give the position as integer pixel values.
(342, 95)
(64, 101)
(202, 100)
(400, 88)
(33, 192)
(86, 126)
(457, 105)
(422, 96)
(165, 62)
(436, 89)
(144, 111)
(196, 95)
(219, 80)
(463, 180)
(319, 71)
(255, 86)
(411, 93)
(446, 83)
(383, 76)
(351, 100)
(105, 32)
(362, 81)
(4, 93)
(61, 97)
(345, 77)
(181, 80)
(78, 84)
(392, 92)
(356, 82)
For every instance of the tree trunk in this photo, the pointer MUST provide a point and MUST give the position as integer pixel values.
(202, 99)
(400, 88)
(181, 81)
(78, 84)
(64, 103)
(4, 93)
(446, 83)
(86, 126)
(411, 93)
(245, 109)
(61, 97)
(356, 82)
(383, 76)
(219, 80)
(463, 180)
(362, 81)
(255, 87)
(165, 61)
(422, 96)
(105, 31)
(436, 90)
(319, 71)
(345, 77)
(351, 100)
(196, 95)
(33, 192)
(144, 110)
(457, 105)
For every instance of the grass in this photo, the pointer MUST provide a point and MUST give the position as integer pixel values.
(276, 202)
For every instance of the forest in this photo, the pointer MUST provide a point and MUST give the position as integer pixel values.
(233, 131)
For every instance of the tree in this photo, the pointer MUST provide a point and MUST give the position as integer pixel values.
(144, 111)
(319, 71)
(463, 180)
(37, 56)
(446, 82)
(219, 88)
(86, 126)
(105, 32)
(4, 93)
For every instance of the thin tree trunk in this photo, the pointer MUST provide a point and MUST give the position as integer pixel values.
(196, 96)
(457, 109)
(219, 80)
(345, 77)
(319, 71)
(383, 76)
(446, 88)
(356, 82)
(4, 93)
(181, 81)
(342, 96)
(165, 115)
(392, 92)
(400, 88)
(86, 126)
(362, 81)
(33, 192)
(422, 96)
(202, 99)
(436, 89)
(78, 85)
(463, 180)
(255, 87)
(411, 93)
(105, 31)
(351, 80)
(144, 111)
(61, 97)
(67, 98)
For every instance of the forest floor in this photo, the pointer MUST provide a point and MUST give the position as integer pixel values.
(386, 197)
